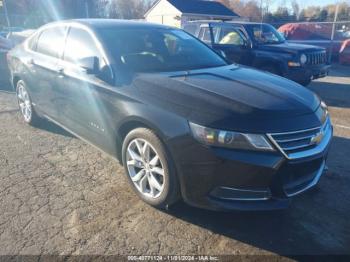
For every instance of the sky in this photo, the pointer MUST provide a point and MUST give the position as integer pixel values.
(305, 3)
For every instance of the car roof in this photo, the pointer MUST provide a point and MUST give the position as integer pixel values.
(109, 23)
(224, 22)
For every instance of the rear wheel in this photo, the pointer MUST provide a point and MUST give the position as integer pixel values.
(149, 168)
(25, 104)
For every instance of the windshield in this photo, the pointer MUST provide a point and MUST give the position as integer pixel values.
(266, 34)
(158, 50)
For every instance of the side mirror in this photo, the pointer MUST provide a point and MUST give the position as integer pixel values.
(90, 64)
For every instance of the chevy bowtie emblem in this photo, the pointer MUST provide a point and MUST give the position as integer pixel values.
(316, 139)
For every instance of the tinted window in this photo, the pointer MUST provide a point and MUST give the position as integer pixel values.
(158, 50)
(204, 35)
(80, 44)
(228, 36)
(266, 34)
(51, 41)
(191, 28)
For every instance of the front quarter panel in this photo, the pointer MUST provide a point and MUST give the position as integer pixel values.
(124, 107)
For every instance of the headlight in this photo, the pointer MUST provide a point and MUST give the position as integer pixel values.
(324, 107)
(230, 139)
(303, 59)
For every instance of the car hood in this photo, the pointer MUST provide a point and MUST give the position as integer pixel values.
(288, 47)
(227, 95)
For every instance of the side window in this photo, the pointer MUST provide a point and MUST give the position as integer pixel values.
(80, 45)
(51, 41)
(264, 34)
(204, 35)
(229, 36)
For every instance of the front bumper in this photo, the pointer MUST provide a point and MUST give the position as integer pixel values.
(225, 179)
(305, 73)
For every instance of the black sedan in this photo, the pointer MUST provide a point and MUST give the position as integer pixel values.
(183, 122)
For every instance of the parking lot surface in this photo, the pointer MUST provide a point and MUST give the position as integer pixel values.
(61, 196)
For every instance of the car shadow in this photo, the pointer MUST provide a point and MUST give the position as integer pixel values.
(313, 224)
(53, 128)
(43, 124)
(334, 94)
(334, 89)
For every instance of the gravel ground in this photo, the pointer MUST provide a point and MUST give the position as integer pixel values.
(61, 196)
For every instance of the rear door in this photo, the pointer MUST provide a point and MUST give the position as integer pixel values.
(43, 63)
(232, 41)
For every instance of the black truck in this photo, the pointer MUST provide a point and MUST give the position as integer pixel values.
(261, 46)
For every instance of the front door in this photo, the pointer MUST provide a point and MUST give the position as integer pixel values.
(233, 43)
(78, 94)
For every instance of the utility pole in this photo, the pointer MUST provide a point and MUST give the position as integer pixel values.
(262, 11)
(87, 9)
(333, 31)
(3, 4)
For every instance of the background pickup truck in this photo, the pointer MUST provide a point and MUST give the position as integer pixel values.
(262, 46)
(318, 35)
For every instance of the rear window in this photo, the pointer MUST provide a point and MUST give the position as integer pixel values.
(51, 41)
(191, 28)
(204, 35)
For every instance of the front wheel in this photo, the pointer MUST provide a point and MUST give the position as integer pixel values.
(25, 104)
(149, 168)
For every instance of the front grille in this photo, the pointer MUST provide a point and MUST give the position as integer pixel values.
(292, 143)
(316, 58)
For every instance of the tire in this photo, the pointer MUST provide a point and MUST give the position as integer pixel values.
(25, 104)
(142, 170)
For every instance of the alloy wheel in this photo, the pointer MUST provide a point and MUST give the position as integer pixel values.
(145, 168)
(24, 103)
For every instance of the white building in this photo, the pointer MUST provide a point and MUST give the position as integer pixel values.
(176, 12)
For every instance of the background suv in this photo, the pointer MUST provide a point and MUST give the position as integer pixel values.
(262, 46)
